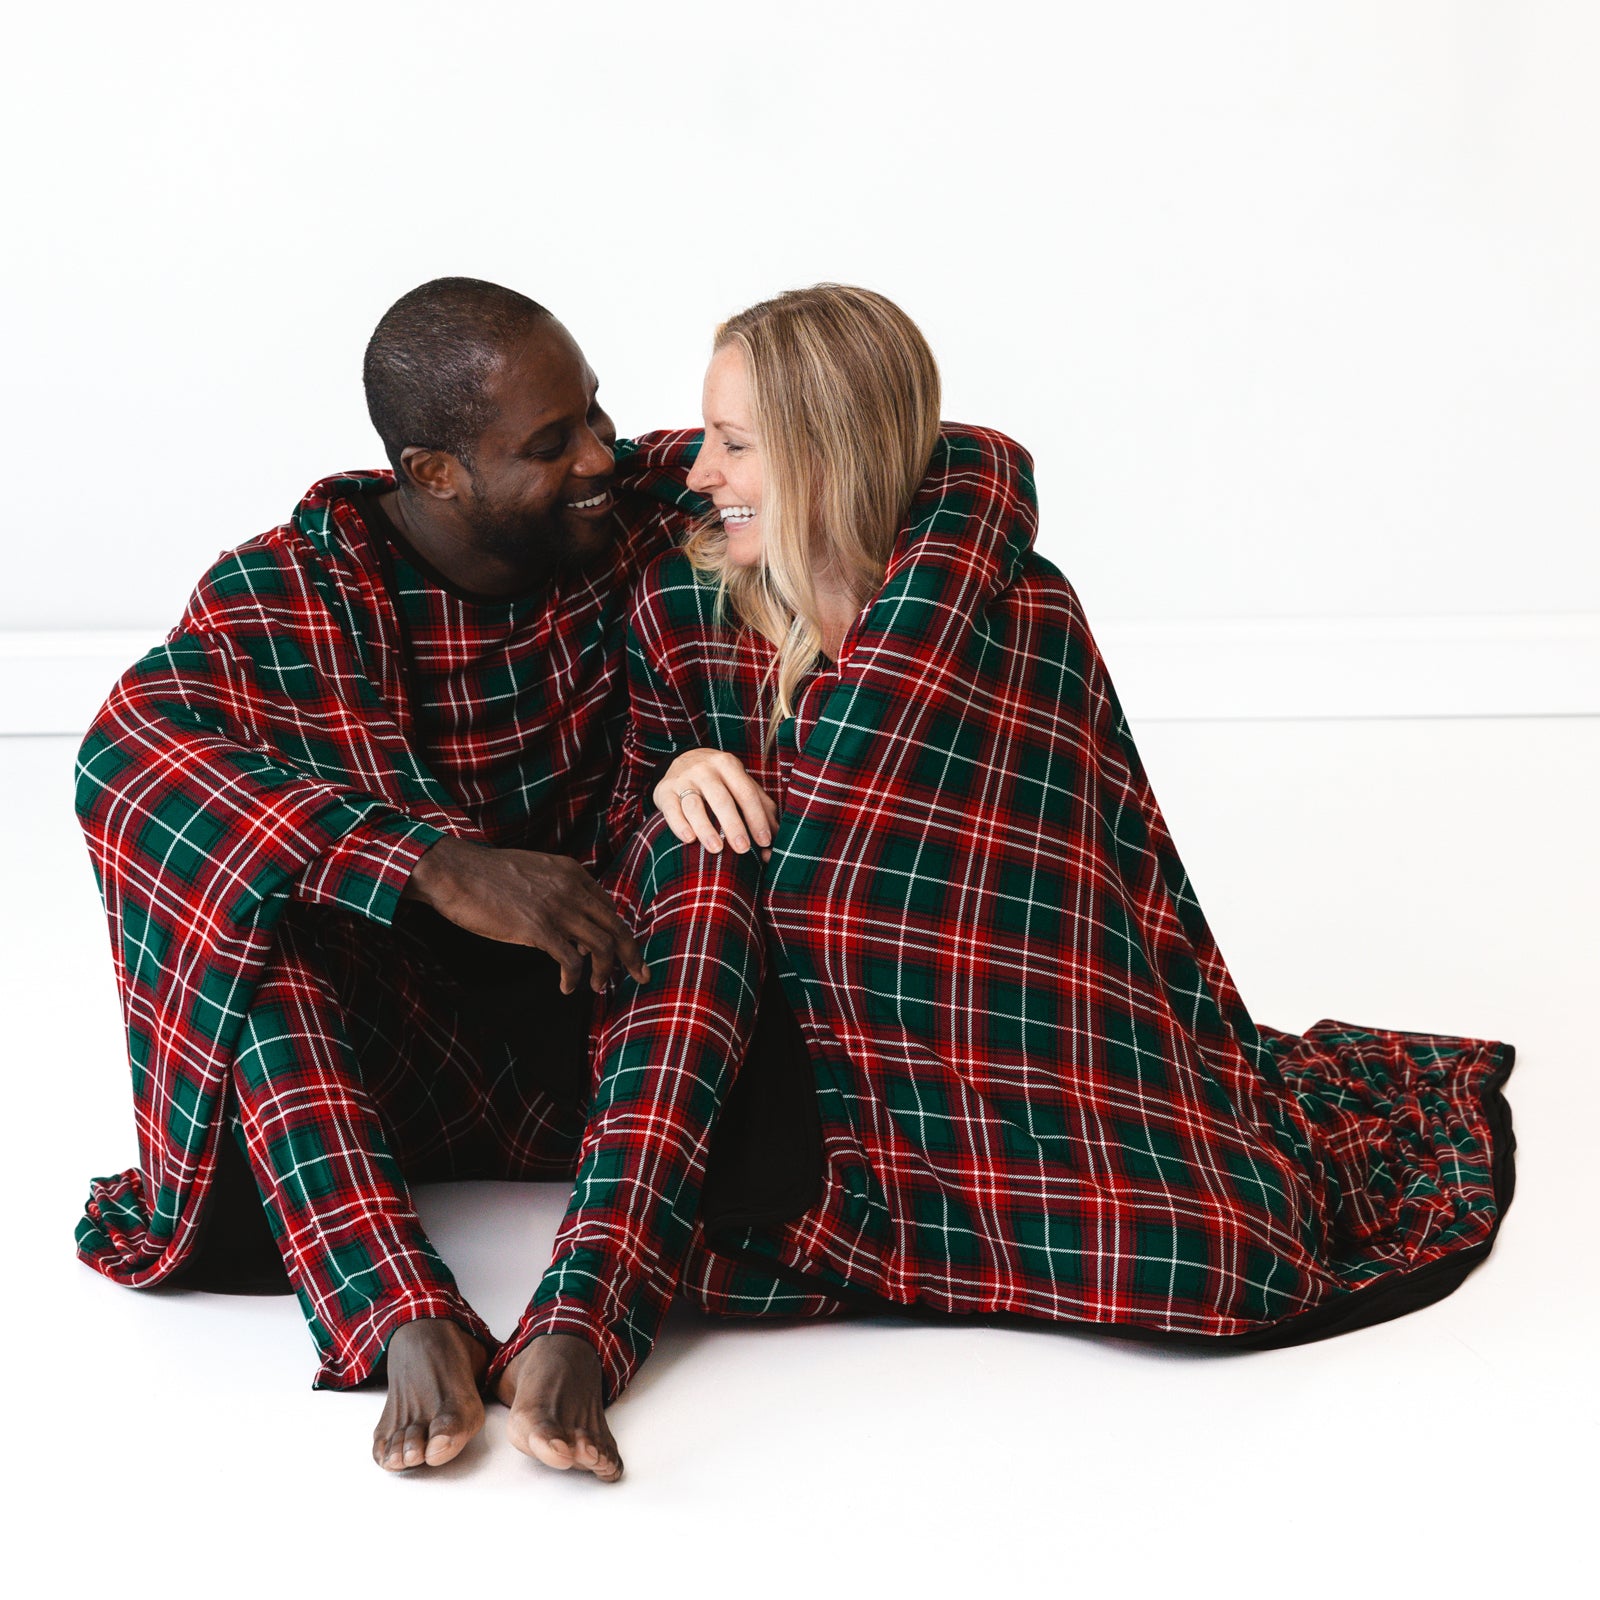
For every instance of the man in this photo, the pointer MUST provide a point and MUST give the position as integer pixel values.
(344, 822)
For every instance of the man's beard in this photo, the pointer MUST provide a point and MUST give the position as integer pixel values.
(540, 546)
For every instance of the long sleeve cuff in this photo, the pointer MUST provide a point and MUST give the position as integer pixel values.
(366, 869)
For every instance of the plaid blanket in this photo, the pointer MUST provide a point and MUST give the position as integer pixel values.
(268, 751)
(1040, 1090)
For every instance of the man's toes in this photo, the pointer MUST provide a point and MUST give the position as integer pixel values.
(447, 1438)
(542, 1438)
(596, 1453)
(553, 1451)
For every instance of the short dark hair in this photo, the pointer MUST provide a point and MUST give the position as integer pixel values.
(429, 360)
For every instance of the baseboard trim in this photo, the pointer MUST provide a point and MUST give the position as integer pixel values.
(1165, 670)
(1515, 665)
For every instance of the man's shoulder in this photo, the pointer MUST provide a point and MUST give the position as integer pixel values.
(262, 579)
(259, 566)
(273, 578)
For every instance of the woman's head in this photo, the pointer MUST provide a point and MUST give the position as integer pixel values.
(821, 412)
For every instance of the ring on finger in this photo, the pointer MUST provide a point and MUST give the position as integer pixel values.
(683, 792)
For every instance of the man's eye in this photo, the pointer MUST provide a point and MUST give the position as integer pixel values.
(547, 455)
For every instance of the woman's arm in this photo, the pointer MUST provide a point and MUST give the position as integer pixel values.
(667, 760)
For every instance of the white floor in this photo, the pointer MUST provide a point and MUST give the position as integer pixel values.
(1442, 876)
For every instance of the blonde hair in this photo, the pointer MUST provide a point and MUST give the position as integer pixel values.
(845, 395)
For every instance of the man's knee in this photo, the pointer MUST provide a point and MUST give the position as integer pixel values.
(300, 1013)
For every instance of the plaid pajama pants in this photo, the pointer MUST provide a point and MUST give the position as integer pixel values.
(365, 1062)
(664, 1058)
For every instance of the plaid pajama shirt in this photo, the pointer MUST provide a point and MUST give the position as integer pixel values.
(1039, 1091)
(255, 793)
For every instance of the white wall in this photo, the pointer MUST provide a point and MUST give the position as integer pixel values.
(1295, 305)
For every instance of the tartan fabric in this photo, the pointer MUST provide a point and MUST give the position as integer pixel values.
(361, 1067)
(268, 753)
(1040, 1090)
(664, 1058)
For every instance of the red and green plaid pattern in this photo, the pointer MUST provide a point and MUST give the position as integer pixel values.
(1040, 1091)
(266, 752)
(361, 1068)
(664, 1056)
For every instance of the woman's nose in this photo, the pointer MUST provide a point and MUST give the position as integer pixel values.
(700, 474)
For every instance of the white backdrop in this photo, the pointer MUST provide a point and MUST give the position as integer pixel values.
(1294, 305)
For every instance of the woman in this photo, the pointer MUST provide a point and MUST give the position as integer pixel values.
(999, 1063)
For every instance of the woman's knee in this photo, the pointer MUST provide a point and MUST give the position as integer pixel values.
(666, 865)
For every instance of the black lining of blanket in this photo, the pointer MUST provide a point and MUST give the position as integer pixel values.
(1360, 1308)
(764, 1164)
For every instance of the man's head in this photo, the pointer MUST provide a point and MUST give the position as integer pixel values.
(485, 403)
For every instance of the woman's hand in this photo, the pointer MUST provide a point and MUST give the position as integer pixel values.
(705, 791)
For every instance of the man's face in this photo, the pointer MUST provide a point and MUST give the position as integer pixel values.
(539, 489)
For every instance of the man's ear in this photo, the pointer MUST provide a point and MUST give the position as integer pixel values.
(433, 472)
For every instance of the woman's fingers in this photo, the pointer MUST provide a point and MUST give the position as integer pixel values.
(697, 808)
(745, 811)
(760, 809)
(670, 804)
(709, 795)
(760, 816)
(725, 808)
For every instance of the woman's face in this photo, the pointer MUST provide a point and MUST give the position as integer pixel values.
(729, 465)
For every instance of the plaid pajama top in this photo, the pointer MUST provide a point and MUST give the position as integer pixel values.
(491, 703)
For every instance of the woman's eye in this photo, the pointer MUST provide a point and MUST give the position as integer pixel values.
(733, 449)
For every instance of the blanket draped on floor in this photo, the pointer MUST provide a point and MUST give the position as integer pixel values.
(268, 749)
(1040, 1090)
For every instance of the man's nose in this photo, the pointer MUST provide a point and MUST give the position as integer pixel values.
(594, 457)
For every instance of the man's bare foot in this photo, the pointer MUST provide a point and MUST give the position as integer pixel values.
(434, 1408)
(556, 1394)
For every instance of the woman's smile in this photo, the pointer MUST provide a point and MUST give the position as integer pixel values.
(728, 468)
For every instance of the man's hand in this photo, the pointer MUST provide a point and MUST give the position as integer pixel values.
(523, 897)
(703, 789)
